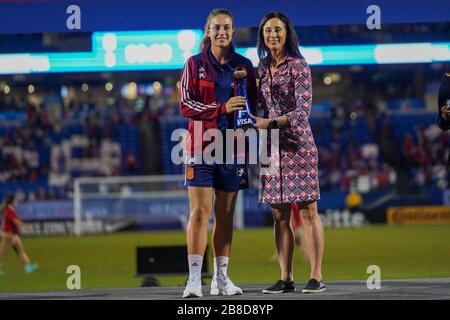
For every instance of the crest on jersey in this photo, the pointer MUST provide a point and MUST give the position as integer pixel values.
(190, 173)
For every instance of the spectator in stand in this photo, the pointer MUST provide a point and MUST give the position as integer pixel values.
(131, 163)
(42, 195)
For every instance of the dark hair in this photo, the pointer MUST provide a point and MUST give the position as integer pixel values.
(206, 41)
(291, 45)
(9, 199)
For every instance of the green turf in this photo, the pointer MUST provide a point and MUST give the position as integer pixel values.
(108, 261)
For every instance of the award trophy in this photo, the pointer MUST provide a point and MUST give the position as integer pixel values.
(243, 119)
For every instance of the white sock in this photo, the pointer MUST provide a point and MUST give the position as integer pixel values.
(195, 266)
(221, 265)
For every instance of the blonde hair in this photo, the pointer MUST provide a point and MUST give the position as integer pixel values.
(206, 41)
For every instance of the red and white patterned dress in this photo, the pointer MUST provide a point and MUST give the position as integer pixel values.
(289, 92)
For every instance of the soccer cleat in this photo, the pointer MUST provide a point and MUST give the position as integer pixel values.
(223, 285)
(280, 287)
(193, 288)
(314, 286)
(30, 267)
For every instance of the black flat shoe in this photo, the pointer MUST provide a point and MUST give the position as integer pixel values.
(314, 286)
(280, 287)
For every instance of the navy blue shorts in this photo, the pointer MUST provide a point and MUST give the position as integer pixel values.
(223, 177)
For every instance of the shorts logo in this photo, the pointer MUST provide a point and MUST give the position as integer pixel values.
(190, 161)
(190, 173)
(240, 172)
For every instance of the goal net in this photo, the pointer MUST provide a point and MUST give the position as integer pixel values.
(111, 204)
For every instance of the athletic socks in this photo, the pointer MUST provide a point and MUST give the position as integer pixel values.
(221, 265)
(196, 262)
(195, 266)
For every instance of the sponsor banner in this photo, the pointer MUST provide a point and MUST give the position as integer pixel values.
(164, 212)
(446, 197)
(342, 219)
(418, 215)
(46, 210)
(157, 212)
(39, 228)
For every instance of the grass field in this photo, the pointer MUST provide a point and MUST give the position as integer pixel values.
(109, 261)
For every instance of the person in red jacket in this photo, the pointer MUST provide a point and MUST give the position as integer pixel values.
(208, 99)
(10, 236)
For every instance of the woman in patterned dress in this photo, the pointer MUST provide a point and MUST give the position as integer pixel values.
(285, 96)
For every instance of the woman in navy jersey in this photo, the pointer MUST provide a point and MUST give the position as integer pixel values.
(208, 100)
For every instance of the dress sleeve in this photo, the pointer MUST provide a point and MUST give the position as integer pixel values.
(261, 109)
(301, 77)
